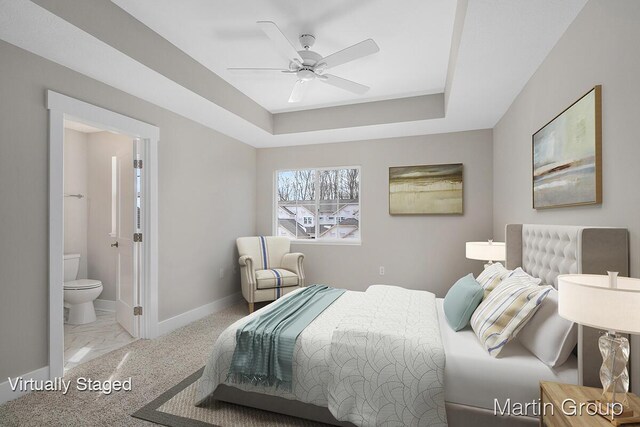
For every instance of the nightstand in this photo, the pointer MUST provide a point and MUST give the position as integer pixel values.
(552, 396)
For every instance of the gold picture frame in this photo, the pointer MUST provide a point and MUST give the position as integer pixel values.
(426, 189)
(566, 156)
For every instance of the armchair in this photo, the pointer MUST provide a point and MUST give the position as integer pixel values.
(267, 269)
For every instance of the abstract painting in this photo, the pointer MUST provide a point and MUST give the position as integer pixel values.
(567, 166)
(430, 189)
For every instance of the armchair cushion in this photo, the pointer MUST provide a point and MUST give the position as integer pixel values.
(275, 278)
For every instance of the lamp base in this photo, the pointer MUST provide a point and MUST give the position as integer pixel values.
(613, 372)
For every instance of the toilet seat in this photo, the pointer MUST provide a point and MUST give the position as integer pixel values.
(82, 284)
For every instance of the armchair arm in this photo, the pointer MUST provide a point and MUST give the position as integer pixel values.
(246, 260)
(293, 262)
(247, 277)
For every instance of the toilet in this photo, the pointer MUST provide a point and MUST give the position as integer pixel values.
(79, 294)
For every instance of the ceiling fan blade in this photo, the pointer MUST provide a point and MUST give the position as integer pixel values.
(351, 53)
(283, 44)
(299, 89)
(257, 70)
(345, 84)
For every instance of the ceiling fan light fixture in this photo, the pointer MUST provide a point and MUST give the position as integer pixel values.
(306, 74)
(320, 68)
(294, 65)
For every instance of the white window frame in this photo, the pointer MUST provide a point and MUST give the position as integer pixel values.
(352, 242)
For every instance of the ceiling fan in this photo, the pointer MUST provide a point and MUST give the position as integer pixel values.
(309, 65)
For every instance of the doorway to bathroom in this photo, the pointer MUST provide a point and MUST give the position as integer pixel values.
(102, 213)
(102, 232)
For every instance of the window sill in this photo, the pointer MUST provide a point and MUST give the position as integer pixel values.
(326, 242)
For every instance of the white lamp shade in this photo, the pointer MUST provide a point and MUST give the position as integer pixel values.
(588, 299)
(486, 251)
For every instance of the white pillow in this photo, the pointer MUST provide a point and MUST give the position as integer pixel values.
(547, 335)
(506, 310)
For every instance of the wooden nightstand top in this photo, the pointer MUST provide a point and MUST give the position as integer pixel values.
(556, 393)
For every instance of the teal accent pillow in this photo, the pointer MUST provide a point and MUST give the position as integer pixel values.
(461, 301)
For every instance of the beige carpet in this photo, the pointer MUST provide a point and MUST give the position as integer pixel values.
(155, 366)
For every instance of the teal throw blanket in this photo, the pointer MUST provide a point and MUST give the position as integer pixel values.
(264, 345)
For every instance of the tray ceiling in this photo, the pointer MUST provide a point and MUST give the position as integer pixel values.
(413, 57)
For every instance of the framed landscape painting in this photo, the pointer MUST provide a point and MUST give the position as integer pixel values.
(424, 190)
(567, 151)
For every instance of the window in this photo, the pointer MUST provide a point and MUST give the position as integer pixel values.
(320, 204)
(114, 196)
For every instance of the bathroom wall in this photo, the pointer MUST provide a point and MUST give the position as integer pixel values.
(75, 210)
(102, 146)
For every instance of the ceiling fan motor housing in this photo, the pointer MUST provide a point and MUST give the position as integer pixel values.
(309, 57)
(307, 40)
(307, 71)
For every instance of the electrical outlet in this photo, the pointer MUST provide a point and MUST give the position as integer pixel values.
(381, 270)
(222, 273)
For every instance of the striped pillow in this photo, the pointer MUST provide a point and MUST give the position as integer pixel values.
(492, 276)
(506, 310)
(520, 272)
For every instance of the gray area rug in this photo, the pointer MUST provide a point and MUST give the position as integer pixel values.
(175, 408)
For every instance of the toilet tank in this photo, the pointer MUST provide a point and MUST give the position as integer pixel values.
(71, 266)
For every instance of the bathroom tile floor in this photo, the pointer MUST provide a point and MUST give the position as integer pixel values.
(85, 342)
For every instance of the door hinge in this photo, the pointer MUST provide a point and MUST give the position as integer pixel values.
(137, 237)
(137, 164)
(137, 311)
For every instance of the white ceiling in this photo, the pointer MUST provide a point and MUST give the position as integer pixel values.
(413, 57)
(503, 42)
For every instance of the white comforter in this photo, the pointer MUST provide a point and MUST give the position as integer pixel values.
(372, 358)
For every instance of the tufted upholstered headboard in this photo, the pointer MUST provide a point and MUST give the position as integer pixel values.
(546, 251)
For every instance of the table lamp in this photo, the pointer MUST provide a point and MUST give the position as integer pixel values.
(486, 251)
(610, 303)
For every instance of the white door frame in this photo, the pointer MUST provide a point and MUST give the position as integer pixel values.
(61, 107)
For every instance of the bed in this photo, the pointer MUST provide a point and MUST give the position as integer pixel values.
(471, 379)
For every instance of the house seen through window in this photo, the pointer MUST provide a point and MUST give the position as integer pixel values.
(318, 204)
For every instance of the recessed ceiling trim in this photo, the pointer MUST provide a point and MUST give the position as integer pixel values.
(109, 23)
(458, 26)
(417, 108)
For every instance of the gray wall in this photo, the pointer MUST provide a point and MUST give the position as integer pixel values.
(75, 210)
(101, 257)
(419, 252)
(206, 199)
(600, 47)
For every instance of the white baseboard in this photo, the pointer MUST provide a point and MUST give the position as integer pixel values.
(7, 393)
(183, 319)
(104, 305)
